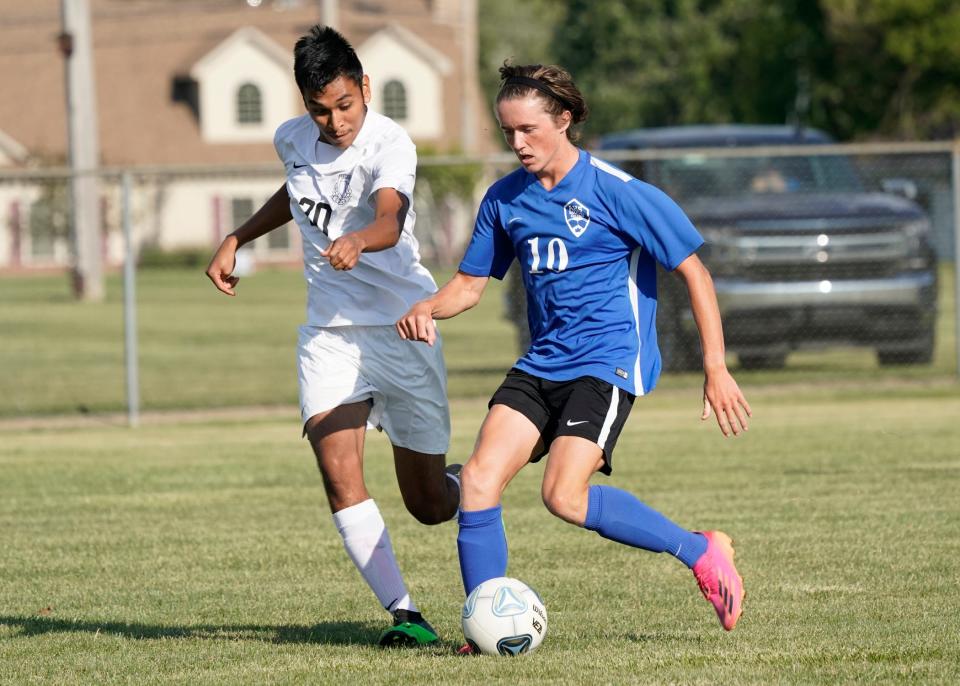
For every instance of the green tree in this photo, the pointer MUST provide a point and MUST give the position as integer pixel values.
(659, 63)
(518, 31)
(895, 70)
(856, 68)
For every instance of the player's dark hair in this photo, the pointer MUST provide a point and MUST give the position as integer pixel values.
(323, 55)
(552, 84)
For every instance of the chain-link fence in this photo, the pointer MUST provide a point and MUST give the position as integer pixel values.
(812, 248)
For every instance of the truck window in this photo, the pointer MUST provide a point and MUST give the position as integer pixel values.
(698, 176)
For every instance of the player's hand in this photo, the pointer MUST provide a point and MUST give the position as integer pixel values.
(344, 253)
(417, 324)
(220, 269)
(722, 395)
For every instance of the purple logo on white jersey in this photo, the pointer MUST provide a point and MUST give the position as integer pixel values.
(341, 193)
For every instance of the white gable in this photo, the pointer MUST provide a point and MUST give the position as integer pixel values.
(246, 58)
(395, 54)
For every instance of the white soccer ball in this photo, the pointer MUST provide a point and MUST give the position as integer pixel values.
(504, 616)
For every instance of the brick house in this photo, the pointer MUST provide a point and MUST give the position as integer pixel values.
(205, 82)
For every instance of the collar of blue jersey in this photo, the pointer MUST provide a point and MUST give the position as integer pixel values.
(583, 158)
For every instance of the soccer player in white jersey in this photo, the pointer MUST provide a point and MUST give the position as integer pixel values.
(349, 187)
(588, 237)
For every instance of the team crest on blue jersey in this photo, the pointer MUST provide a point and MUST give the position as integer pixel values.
(341, 190)
(577, 216)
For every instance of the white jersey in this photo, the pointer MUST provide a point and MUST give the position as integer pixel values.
(332, 193)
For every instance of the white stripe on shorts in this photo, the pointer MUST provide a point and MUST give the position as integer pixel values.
(608, 420)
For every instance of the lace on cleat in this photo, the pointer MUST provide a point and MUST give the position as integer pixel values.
(409, 630)
(718, 578)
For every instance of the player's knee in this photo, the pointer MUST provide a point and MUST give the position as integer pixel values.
(433, 505)
(567, 505)
(478, 484)
(429, 511)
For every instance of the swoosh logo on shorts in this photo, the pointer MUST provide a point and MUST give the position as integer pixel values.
(584, 421)
(299, 166)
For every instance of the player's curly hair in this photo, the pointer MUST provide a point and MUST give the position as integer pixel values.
(323, 55)
(559, 93)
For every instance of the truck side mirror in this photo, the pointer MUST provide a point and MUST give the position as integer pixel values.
(903, 187)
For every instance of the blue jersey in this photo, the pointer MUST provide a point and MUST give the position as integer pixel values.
(587, 250)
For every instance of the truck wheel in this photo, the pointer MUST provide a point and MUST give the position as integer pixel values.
(763, 361)
(922, 355)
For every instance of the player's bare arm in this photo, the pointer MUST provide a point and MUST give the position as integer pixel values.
(382, 233)
(274, 214)
(721, 394)
(459, 294)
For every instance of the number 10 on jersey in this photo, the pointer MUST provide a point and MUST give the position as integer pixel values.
(557, 258)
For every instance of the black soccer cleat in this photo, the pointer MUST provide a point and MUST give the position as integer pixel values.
(453, 472)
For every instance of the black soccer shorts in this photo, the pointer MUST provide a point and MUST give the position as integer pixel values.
(586, 407)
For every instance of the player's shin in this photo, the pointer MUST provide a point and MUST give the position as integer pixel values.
(482, 546)
(368, 544)
(619, 516)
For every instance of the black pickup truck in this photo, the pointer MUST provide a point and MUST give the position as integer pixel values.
(801, 251)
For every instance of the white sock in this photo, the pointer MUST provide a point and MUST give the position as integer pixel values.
(367, 542)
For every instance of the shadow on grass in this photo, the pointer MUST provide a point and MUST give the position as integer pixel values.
(332, 633)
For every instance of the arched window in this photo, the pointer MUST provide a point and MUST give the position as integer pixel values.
(249, 105)
(395, 100)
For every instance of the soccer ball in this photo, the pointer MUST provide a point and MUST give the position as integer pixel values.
(504, 616)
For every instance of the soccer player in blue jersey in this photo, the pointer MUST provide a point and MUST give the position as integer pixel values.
(588, 237)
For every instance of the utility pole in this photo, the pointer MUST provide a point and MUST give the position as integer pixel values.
(468, 83)
(330, 14)
(76, 44)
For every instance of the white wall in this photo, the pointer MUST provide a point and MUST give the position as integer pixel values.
(220, 80)
(184, 214)
(24, 195)
(173, 214)
(386, 59)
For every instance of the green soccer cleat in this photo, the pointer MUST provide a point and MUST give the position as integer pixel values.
(409, 630)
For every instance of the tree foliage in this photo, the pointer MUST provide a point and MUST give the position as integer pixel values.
(857, 68)
(895, 68)
(691, 61)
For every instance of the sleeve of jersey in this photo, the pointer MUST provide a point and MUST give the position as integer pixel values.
(490, 251)
(396, 167)
(280, 141)
(658, 224)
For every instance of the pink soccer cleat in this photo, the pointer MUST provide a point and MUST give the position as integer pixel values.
(467, 649)
(718, 578)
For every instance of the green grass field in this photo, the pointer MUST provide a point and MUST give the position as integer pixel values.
(198, 347)
(201, 349)
(198, 548)
(201, 552)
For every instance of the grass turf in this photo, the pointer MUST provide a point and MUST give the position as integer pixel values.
(201, 349)
(201, 552)
(198, 549)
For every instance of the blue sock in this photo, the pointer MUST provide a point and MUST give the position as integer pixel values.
(482, 545)
(619, 516)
